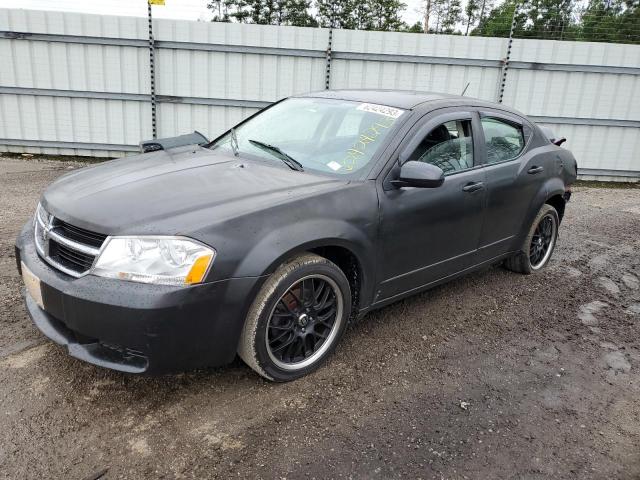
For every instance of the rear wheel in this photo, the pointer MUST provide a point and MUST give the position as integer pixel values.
(297, 318)
(539, 244)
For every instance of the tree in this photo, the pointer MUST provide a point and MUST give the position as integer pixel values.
(220, 10)
(611, 21)
(475, 11)
(360, 14)
(415, 28)
(547, 19)
(333, 13)
(448, 13)
(237, 10)
(385, 15)
(264, 12)
(299, 14)
(471, 11)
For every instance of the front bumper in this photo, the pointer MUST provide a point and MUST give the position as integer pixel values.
(138, 328)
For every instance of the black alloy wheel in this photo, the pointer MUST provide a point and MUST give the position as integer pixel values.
(303, 321)
(538, 245)
(542, 241)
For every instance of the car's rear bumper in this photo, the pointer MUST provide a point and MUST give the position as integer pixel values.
(136, 327)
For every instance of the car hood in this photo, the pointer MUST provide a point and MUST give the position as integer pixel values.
(174, 192)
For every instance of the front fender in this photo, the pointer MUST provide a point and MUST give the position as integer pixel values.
(277, 246)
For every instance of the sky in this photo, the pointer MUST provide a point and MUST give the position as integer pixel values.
(176, 9)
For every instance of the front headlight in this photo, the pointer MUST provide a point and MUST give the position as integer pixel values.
(160, 260)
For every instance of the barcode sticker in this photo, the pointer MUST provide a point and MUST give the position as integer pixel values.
(380, 109)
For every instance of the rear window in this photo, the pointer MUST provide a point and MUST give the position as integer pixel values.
(504, 140)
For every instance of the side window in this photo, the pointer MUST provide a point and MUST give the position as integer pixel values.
(448, 146)
(504, 140)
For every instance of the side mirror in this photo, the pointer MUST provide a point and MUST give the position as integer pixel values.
(419, 174)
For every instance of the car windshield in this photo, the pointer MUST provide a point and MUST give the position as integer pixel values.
(328, 135)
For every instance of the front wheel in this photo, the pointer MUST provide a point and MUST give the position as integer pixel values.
(539, 243)
(297, 318)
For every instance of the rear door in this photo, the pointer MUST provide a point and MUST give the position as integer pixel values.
(511, 182)
(430, 233)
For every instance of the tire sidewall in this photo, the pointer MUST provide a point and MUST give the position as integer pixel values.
(287, 281)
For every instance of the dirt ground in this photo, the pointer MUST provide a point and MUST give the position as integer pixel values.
(496, 375)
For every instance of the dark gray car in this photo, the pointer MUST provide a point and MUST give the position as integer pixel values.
(268, 240)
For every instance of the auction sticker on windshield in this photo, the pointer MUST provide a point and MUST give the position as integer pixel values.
(380, 109)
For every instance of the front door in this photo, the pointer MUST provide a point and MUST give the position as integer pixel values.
(428, 234)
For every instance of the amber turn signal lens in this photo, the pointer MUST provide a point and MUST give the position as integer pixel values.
(199, 270)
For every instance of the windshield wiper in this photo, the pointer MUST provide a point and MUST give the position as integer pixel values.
(291, 162)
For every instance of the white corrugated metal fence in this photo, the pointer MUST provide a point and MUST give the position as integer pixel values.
(80, 84)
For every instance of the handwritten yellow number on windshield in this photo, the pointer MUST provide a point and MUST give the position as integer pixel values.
(368, 136)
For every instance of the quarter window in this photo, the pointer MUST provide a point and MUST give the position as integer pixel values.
(448, 146)
(504, 140)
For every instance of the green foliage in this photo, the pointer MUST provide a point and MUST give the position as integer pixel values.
(385, 15)
(360, 15)
(336, 14)
(587, 20)
(600, 21)
(447, 15)
(498, 22)
(475, 12)
(264, 12)
(471, 12)
(415, 28)
(611, 21)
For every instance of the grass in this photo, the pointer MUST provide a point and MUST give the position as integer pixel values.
(58, 158)
(600, 184)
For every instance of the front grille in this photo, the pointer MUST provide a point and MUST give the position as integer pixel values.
(66, 247)
(69, 258)
(79, 234)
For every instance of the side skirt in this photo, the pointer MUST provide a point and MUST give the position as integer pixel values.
(435, 283)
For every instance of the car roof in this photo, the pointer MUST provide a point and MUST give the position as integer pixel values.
(409, 99)
(405, 99)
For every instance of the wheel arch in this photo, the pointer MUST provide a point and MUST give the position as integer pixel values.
(341, 242)
(344, 255)
(548, 192)
(558, 202)
(351, 266)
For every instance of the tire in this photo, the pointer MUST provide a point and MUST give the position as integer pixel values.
(287, 309)
(524, 261)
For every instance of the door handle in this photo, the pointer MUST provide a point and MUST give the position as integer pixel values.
(473, 186)
(534, 170)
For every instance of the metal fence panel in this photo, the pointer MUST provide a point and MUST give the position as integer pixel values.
(73, 71)
(594, 88)
(263, 77)
(80, 84)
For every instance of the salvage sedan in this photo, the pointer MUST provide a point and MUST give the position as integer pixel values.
(268, 240)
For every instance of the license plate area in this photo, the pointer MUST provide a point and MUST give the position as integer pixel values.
(32, 283)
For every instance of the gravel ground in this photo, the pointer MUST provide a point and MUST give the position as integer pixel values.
(496, 375)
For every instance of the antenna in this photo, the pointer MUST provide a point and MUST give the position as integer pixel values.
(465, 89)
